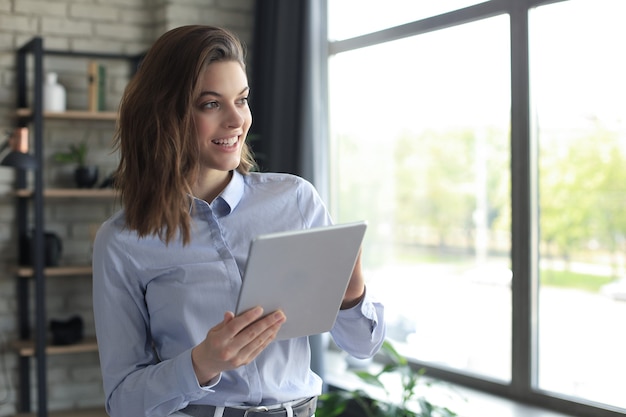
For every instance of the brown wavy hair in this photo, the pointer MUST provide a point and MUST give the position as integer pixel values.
(156, 134)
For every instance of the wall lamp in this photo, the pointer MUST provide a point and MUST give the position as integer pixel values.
(18, 157)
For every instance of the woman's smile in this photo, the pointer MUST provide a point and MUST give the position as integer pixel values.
(230, 143)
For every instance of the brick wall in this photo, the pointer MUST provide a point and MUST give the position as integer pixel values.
(112, 26)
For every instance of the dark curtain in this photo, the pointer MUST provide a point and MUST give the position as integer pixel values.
(288, 99)
(288, 82)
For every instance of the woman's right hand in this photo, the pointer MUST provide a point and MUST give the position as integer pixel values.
(234, 342)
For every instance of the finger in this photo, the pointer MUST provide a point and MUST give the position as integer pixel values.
(228, 316)
(260, 328)
(237, 323)
(246, 343)
(258, 344)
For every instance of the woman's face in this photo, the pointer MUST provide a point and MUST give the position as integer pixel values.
(222, 115)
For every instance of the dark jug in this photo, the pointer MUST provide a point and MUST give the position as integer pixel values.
(53, 248)
(67, 332)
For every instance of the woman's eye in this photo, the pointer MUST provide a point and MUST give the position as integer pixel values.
(243, 100)
(210, 105)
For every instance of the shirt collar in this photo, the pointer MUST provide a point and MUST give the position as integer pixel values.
(228, 199)
(232, 194)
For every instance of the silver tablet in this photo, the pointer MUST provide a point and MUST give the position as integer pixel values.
(304, 273)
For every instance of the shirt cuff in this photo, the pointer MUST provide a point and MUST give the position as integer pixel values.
(365, 308)
(187, 377)
(213, 382)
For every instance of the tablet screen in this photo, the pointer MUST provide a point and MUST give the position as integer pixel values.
(304, 273)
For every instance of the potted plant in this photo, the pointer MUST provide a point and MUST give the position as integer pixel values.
(85, 176)
(339, 403)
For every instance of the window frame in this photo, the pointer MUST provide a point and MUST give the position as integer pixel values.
(524, 217)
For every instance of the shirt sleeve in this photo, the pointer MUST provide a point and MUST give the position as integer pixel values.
(360, 330)
(312, 208)
(136, 381)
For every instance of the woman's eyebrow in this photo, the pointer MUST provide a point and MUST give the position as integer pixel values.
(216, 94)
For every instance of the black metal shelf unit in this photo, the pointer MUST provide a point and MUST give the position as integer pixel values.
(35, 201)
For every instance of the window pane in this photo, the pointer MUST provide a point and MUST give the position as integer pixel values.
(350, 18)
(420, 149)
(579, 89)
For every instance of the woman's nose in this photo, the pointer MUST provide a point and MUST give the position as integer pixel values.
(234, 117)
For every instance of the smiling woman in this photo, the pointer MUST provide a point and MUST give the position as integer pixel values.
(163, 129)
(167, 269)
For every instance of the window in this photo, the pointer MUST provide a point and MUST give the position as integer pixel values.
(579, 88)
(421, 150)
(350, 18)
(422, 147)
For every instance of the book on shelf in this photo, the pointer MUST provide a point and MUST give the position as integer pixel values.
(97, 86)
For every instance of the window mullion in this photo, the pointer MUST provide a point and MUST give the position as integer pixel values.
(523, 261)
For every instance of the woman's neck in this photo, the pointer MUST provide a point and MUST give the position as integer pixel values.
(211, 184)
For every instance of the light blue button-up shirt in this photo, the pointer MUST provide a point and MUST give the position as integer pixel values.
(154, 302)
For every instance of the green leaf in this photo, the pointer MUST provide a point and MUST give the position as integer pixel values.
(369, 378)
(76, 154)
(393, 353)
(389, 368)
(332, 404)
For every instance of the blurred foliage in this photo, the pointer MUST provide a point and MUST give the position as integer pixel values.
(357, 403)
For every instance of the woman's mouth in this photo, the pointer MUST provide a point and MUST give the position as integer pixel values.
(226, 141)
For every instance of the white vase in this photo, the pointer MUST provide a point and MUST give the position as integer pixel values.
(53, 94)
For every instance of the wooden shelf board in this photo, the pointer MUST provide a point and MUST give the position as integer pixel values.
(26, 348)
(71, 193)
(85, 412)
(71, 114)
(57, 271)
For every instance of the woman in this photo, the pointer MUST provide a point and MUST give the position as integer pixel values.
(167, 268)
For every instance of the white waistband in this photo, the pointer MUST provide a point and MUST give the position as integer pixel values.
(272, 407)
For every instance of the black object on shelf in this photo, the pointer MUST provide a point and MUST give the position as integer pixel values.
(67, 332)
(86, 176)
(53, 248)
